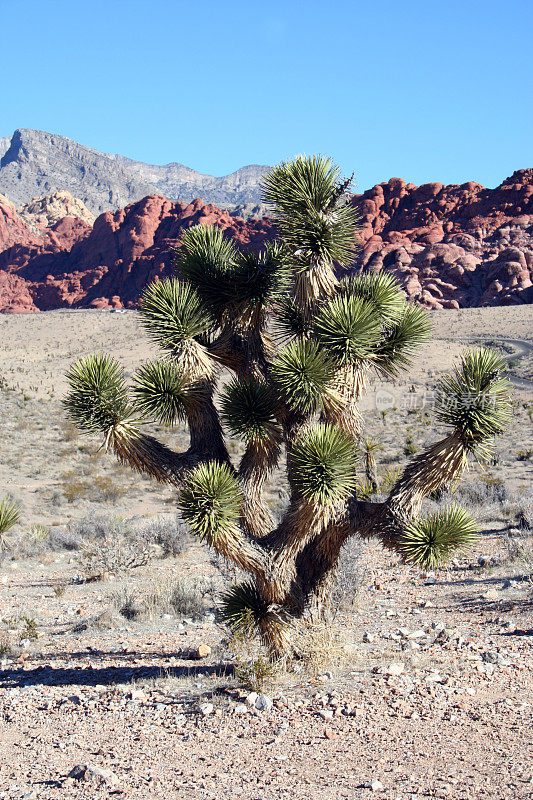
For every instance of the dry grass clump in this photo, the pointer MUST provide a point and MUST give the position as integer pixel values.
(178, 597)
(168, 531)
(99, 488)
(321, 646)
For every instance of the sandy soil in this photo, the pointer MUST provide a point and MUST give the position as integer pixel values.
(425, 690)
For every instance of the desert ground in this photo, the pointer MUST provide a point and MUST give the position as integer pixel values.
(419, 687)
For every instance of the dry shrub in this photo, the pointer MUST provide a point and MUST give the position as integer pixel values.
(169, 532)
(320, 645)
(181, 597)
(126, 601)
(520, 553)
(112, 547)
(524, 517)
(6, 645)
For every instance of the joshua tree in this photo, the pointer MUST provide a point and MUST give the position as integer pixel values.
(299, 336)
(371, 447)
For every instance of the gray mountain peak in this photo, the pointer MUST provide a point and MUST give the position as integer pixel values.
(36, 163)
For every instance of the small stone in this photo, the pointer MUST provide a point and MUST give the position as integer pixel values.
(490, 657)
(368, 637)
(241, 708)
(202, 651)
(396, 668)
(374, 786)
(326, 714)
(91, 772)
(137, 694)
(251, 698)
(206, 709)
(263, 702)
(419, 634)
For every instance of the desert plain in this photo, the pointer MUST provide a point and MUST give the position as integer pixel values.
(419, 688)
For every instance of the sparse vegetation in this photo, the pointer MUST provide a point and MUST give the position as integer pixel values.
(113, 549)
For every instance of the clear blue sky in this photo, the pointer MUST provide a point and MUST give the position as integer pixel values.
(439, 90)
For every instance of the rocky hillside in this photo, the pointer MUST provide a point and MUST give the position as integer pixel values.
(107, 265)
(452, 246)
(35, 163)
(449, 246)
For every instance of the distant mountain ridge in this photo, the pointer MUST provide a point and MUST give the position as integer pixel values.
(35, 163)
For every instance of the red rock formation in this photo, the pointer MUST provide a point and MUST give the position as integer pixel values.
(109, 265)
(449, 246)
(452, 246)
(13, 229)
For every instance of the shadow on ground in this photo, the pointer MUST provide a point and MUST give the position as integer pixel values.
(90, 675)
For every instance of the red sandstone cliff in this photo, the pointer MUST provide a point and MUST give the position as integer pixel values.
(449, 246)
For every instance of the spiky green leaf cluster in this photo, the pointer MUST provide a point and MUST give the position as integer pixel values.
(98, 397)
(401, 339)
(258, 279)
(242, 607)
(474, 399)
(431, 541)
(9, 517)
(172, 312)
(289, 321)
(314, 222)
(205, 260)
(211, 501)
(348, 329)
(162, 393)
(380, 290)
(249, 410)
(231, 283)
(322, 465)
(301, 373)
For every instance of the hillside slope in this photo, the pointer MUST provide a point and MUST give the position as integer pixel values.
(36, 163)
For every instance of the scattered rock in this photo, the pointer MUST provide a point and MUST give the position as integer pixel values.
(203, 651)
(100, 776)
(395, 668)
(263, 702)
(374, 785)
